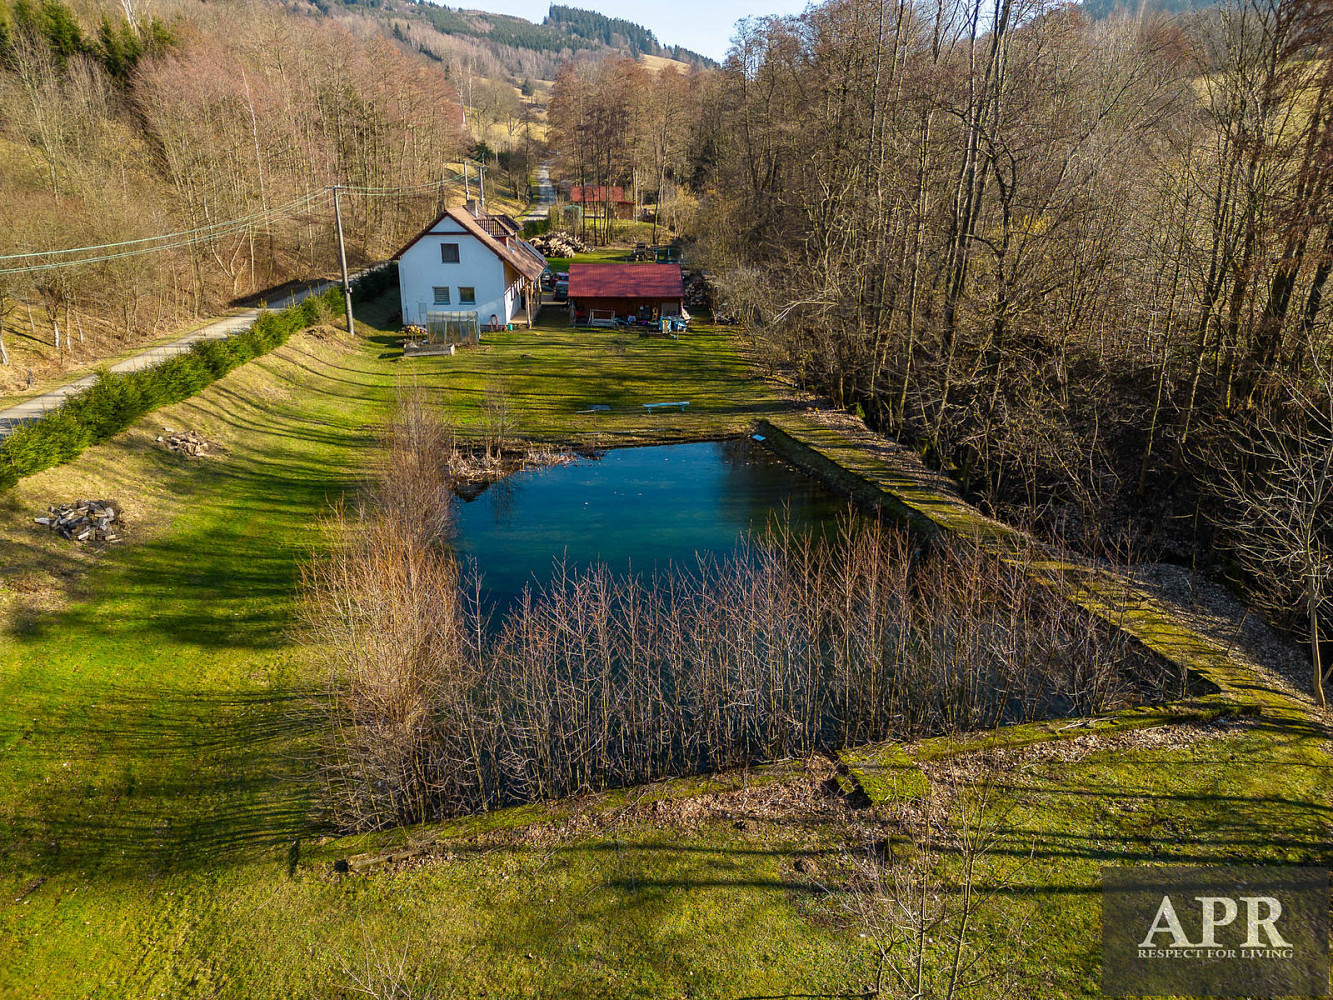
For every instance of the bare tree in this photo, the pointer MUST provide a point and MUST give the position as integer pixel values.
(1279, 487)
(918, 890)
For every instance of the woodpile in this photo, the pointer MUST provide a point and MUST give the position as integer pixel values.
(187, 443)
(558, 244)
(697, 293)
(88, 521)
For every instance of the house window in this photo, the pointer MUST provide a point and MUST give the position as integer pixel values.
(467, 296)
(441, 295)
(449, 253)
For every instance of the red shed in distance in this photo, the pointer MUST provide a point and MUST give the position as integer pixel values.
(601, 294)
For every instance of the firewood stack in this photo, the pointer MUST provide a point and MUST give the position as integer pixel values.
(86, 522)
(187, 443)
(697, 293)
(558, 244)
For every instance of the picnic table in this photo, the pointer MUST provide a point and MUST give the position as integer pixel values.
(654, 407)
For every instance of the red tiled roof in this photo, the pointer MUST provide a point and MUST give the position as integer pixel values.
(625, 281)
(578, 194)
(522, 262)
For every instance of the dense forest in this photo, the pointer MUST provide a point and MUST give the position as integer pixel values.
(618, 33)
(1081, 264)
(590, 24)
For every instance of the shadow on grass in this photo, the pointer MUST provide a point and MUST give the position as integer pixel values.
(133, 783)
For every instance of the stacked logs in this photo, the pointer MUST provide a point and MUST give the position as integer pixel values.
(85, 522)
(558, 244)
(187, 443)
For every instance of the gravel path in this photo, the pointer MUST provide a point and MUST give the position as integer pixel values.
(39, 406)
(545, 196)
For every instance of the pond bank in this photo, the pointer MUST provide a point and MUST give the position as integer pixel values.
(851, 458)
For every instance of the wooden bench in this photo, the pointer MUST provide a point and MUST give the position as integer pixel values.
(654, 407)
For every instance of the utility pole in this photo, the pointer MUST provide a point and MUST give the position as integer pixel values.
(342, 259)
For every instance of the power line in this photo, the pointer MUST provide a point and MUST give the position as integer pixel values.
(235, 226)
(244, 220)
(189, 237)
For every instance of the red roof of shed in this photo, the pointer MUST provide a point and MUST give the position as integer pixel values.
(578, 194)
(625, 281)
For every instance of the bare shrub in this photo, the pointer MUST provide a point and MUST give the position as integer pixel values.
(380, 607)
(920, 895)
(498, 421)
(381, 974)
(414, 485)
(788, 647)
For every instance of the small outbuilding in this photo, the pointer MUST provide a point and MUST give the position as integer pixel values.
(593, 197)
(606, 294)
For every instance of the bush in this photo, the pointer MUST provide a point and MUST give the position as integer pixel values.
(115, 401)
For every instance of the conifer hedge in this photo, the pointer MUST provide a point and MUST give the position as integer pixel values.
(116, 400)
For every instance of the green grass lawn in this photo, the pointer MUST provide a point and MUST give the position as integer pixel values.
(155, 712)
(160, 830)
(608, 255)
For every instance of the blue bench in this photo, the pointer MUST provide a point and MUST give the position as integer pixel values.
(654, 407)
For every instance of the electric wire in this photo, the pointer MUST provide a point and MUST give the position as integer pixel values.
(190, 237)
(243, 220)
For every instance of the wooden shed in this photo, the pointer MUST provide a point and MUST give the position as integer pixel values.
(639, 292)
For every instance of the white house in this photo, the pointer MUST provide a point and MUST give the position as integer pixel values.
(471, 268)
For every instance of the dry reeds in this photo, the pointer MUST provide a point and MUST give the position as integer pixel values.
(789, 646)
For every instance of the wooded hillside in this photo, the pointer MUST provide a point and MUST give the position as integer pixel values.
(226, 122)
(1082, 264)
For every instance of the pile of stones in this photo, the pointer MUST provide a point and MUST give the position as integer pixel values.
(558, 244)
(187, 442)
(86, 522)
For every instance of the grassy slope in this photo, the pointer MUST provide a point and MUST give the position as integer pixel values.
(154, 708)
(154, 729)
(1250, 793)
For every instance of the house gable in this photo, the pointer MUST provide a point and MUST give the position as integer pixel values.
(485, 275)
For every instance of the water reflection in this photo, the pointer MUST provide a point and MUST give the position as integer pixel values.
(632, 508)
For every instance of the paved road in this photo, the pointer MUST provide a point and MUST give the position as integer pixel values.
(32, 409)
(545, 195)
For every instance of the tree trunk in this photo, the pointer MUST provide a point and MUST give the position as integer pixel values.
(1312, 603)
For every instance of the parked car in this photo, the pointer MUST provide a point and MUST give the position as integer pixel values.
(561, 286)
(548, 280)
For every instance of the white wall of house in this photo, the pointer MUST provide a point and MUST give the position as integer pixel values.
(421, 270)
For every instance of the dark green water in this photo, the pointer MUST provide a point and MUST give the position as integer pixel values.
(634, 508)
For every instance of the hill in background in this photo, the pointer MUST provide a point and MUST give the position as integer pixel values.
(617, 33)
(501, 46)
(1098, 9)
